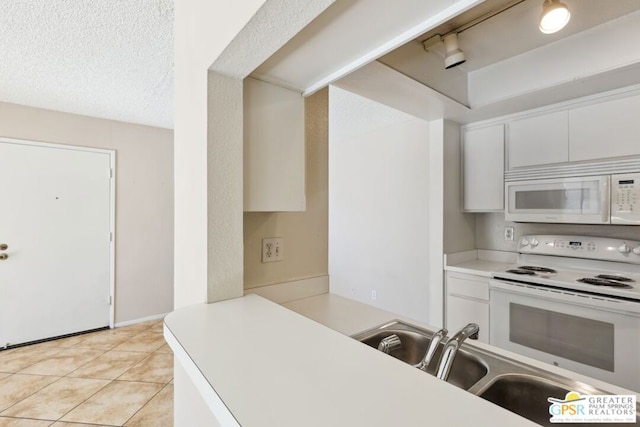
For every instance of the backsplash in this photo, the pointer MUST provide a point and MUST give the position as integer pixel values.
(490, 231)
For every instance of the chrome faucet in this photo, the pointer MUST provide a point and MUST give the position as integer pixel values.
(431, 350)
(451, 348)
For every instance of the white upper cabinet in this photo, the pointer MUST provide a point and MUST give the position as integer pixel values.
(483, 168)
(605, 130)
(274, 148)
(538, 140)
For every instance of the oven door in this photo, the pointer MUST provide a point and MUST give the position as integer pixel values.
(572, 200)
(594, 336)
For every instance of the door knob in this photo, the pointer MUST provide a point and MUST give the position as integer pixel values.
(3, 257)
(3, 247)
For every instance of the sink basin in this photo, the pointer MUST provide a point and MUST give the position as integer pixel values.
(467, 369)
(414, 345)
(511, 384)
(525, 395)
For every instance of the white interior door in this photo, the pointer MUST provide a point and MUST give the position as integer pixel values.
(55, 218)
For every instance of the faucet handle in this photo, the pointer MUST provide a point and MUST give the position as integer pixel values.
(389, 344)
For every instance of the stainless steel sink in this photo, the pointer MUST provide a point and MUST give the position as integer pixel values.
(467, 369)
(511, 384)
(525, 395)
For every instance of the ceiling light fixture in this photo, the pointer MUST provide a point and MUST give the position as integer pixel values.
(555, 16)
(454, 56)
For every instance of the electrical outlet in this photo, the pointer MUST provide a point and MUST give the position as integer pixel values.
(272, 249)
(508, 233)
(374, 295)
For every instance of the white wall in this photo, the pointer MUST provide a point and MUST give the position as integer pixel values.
(203, 29)
(378, 205)
(144, 198)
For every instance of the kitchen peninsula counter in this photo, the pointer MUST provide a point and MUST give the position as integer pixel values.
(250, 362)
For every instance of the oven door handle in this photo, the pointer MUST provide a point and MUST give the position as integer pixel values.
(584, 300)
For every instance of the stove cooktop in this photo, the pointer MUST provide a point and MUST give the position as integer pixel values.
(603, 266)
(625, 285)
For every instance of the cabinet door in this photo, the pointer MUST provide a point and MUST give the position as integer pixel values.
(539, 140)
(461, 311)
(467, 302)
(483, 169)
(274, 148)
(604, 130)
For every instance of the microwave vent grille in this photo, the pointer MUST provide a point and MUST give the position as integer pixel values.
(568, 170)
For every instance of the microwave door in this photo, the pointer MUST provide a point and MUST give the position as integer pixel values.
(569, 200)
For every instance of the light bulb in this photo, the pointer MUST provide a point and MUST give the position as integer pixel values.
(555, 16)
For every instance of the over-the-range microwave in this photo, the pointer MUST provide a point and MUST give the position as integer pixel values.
(603, 199)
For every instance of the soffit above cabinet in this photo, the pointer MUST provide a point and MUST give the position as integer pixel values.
(349, 34)
(502, 52)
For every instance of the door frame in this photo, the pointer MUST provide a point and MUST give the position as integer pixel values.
(112, 206)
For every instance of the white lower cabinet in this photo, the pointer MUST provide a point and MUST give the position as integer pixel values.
(467, 302)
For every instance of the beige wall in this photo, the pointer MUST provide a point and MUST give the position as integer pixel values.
(305, 233)
(144, 198)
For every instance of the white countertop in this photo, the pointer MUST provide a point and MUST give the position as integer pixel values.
(480, 262)
(273, 367)
(342, 314)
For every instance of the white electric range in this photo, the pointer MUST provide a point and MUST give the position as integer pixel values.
(573, 301)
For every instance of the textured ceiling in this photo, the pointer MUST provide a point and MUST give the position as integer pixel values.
(107, 59)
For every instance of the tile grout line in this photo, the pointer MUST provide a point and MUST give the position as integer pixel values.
(110, 381)
(28, 366)
(26, 397)
(146, 403)
(89, 397)
(21, 418)
(133, 366)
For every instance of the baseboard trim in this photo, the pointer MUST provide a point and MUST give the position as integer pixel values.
(293, 290)
(141, 320)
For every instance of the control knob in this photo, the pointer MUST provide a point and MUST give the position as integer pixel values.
(524, 242)
(636, 250)
(624, 248)
(534, 243)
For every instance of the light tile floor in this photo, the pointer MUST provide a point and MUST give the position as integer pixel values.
(117, 377)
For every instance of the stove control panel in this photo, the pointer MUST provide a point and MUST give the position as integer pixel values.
(600, 248)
